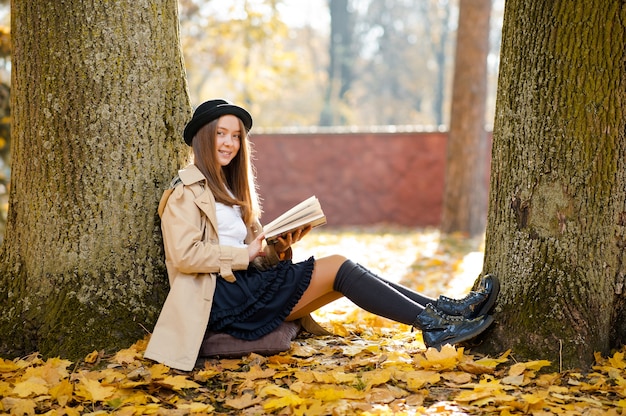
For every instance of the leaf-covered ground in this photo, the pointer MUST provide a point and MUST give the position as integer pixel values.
(375, 367)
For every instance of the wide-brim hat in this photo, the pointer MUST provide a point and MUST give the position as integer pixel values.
(212, 110)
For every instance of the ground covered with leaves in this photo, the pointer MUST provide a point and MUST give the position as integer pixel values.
(371, 367)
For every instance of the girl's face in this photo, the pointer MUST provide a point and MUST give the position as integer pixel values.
(228, 139)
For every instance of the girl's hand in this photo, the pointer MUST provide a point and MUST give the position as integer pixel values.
(255, 248)
(286, 240)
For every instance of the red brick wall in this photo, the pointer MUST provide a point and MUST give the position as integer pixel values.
(359, 178)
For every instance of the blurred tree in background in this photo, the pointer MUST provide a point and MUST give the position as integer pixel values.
(301, 64)
(246, 53)
(327, 62)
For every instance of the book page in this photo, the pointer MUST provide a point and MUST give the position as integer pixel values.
(307, 212)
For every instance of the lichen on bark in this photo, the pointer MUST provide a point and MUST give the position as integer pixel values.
(99, 101)
(558, 185)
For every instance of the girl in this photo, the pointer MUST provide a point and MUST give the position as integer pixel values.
(224, 278)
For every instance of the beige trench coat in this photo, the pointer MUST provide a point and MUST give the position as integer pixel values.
(194, 260)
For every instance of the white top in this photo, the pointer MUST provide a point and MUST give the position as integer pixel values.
(231, 229)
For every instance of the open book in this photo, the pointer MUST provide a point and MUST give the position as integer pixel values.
(307, 212)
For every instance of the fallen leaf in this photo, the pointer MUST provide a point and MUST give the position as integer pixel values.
(93, 391)
(244, 401)
(92, 357)
(178, 382)
(446, 359)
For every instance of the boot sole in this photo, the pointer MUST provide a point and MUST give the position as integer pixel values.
(491, 300)
(468, 336)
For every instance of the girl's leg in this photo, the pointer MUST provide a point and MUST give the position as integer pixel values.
(335, 276)
(409, 293)
(475, 304)
(320, 291)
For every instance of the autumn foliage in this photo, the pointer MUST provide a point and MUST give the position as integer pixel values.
(371, 367)
(370, 375)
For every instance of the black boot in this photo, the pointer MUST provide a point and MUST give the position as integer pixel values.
(439, 329)
(476, 303)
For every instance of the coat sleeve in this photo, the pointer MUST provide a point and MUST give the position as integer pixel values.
(271, 257)
(187, 248)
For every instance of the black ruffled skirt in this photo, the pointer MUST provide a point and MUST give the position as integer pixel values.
(259, 301)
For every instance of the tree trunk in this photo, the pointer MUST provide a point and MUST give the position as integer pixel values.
(465, 193)
(557, 216)
(99, 100)
(341, 62)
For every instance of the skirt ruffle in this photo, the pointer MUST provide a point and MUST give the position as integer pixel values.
(259, 301)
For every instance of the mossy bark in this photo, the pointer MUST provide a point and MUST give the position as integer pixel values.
(557, 212)
(98, 102)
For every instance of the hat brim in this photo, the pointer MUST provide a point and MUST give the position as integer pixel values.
(214, 113)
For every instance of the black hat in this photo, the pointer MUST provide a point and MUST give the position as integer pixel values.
(212, 110)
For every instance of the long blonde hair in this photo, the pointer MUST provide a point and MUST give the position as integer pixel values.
(238, 176)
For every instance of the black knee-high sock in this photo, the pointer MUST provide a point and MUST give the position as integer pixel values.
(374, 294)
(411, 294)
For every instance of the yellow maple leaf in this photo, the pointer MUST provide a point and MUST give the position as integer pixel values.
(493, 362)
(446, 359)
(141, 344)
(7, 366)
(196, 407)
(62, 392)
(281, 359)
(457, 377)
(473, 395)
(305, 376)
(344, 378)
(244, 401)
(19, 406)
(71, 411)
(398, 358)
(285, 397)
(33, 386)
(339, 329)
(311, 407)
(204, 375)
(495, 397)
(126, 356)
(256, 373)
(93, 391)
(274, 390)
(56, 369)
(158, 371)
(537, 365)
(178, 383)
(380, 395)
(126, 411)
(418, 378)
(150, 409)
(328, 393)
(282, 402)
(545, 380)
(298, 350)
(5, 389)
(111, 376)
(375, 378)
(535, 398)
(353, 350)
(92, 357)
(323, 377)
(474, 367)
(519, 368)
(516, 380)
(617, 361)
